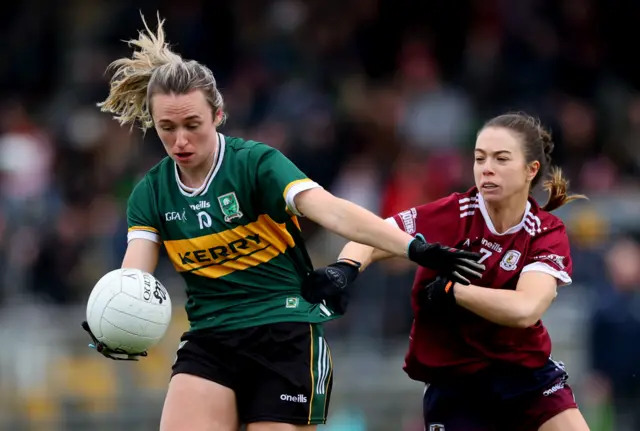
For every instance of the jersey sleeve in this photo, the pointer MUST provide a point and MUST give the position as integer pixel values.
(141, 221)
(279, 180)
(550, 253)
(437, 221)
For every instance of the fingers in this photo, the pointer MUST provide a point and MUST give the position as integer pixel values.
(473, 265)
(468, 255)
(466, 271)
(456, 277)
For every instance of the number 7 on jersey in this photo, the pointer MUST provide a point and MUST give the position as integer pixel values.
(486, 254)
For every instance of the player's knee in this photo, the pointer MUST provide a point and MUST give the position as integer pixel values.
(194, 403)
(276, 426)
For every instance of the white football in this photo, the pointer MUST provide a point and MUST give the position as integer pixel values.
(129, 310)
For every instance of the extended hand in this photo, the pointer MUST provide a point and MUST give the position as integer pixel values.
(116, 355)
(438, 296)
(457, 265)
(331, 285)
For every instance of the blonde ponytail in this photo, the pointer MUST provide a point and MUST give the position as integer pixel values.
(152, 68)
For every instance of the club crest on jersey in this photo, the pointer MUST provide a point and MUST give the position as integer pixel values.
(510, 260)
(229, 206)
(292, 302)
(436, 427)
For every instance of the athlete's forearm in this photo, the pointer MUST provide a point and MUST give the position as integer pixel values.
(141, 254)
(504, 307)
(362, 226)
(364, 254)
(352, 221)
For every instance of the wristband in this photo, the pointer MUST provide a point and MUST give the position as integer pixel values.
(352, 262)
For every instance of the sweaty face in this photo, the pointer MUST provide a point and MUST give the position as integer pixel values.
(500, 169)
(185, 125)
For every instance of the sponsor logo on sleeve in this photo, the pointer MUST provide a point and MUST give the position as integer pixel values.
(409, 220)
(558, 260)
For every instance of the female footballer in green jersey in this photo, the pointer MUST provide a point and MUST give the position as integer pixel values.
(226, 209)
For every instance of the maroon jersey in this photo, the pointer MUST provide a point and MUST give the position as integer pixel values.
(464, 342)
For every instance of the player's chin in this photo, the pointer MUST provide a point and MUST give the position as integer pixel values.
(491, 193)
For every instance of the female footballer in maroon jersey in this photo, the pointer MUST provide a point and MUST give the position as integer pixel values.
(482, 348)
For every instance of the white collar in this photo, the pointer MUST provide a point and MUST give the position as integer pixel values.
(215, 167)
(529, 222)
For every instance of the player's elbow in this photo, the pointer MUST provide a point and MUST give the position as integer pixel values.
(525, 322)
(527, 316)
(536, 291)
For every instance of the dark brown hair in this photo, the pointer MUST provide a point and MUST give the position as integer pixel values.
(537, 145)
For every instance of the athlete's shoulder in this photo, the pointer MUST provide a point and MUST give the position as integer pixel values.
(437, 220)
(150, 181)
(465, 201)
(458, 202)
(471, 194)
(543, 221)
(159, 170)
(246, 147)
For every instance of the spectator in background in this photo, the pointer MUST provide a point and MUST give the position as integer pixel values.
(615, 331)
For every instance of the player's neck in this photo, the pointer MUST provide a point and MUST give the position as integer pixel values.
(196, 176)
(508, 214)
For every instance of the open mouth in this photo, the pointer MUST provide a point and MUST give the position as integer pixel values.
(489, 186)
(183, 156)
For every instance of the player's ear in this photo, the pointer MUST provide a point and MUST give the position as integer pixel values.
(532, 170)
(218, 117)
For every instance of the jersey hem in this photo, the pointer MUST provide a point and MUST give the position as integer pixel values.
(234, 327)
(291, 420)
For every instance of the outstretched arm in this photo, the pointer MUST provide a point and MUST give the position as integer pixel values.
(352, 222)
(361, 226)
(364, 254)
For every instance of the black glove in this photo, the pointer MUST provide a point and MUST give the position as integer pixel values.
(437, 296)
(330, 285)
(455, 264)
(116, 355)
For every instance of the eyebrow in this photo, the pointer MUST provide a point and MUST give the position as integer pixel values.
(189, 118)
(478, 150)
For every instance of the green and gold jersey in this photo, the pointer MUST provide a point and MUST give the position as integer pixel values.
(236, 240)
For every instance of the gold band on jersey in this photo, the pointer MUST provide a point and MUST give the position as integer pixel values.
(143, 228)
(291, 184)
(237, 249)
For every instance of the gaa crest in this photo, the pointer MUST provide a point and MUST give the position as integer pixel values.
(510, 260)
(436, 427)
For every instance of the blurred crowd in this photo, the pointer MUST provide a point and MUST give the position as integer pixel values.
(377, 100)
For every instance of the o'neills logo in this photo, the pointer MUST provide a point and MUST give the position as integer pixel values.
(294, 398)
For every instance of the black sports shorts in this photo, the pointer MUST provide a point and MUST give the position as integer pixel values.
(280, 372)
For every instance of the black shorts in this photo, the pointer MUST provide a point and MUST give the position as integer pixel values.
(280, 372)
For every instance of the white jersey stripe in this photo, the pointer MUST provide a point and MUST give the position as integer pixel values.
(470, 206)
(465, 200)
